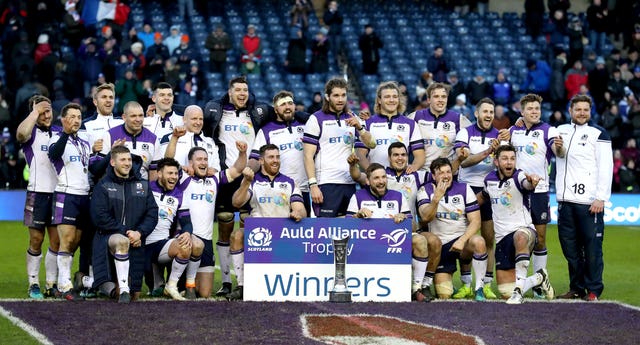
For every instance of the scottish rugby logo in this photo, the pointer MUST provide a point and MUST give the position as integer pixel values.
(260, 239)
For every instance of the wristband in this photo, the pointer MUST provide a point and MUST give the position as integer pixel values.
(312, 181)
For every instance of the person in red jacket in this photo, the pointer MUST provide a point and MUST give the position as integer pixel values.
(575, 77)
(251, 51)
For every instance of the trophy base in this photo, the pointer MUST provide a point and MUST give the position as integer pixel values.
(340, 296)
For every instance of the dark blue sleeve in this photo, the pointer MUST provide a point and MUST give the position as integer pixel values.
(185, 222)
(101, 214)
(57, 150)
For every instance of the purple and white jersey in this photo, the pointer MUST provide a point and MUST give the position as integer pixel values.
(71, 168)
(477, 140)
(145, 145)
(509, 203)
(533, 151)
(334, 141)
(162, 126)
(273, 198)
(235, 125)
(386, 131)
(200, 194)
(288, 139)
(451, 215)
(189, 141)
(171, 205)
(408, 185)
(96, 126)
(42, 175)
(439, 133)
(386, 206)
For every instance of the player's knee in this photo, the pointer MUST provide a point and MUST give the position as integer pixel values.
(119, 243)
(478, 244)
(419, 246)
(444, 290)
(506, 289)
(225, 217)
(197, 246)
(35, 240)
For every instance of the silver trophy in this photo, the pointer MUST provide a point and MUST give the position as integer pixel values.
(340, 293)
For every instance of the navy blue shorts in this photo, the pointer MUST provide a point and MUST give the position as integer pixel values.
(37, 210)
(225, 194)
(152, 251)
(506, 251)
(485, 208)
(207, 259)
(448, 259)
(540, 212)
(335, 198)
(71, 209)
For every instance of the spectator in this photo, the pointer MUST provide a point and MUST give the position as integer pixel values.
(630, 150)
(218, 43)
(611, 121)
(576, 38)
(5, 114)
(316, 103)
(251, 51)
(613, 60)
(296, 52)
(333, 19)
(194, 85)
(589, 63)
(155, 57)
(462, 108)
(559, 5)
(173, 40)
(575, 77)
(136, 59)
(478, 88)
(502, 91)
(557, 118)
(146, 36)
(109, 54)
(634, 84)
(556, 87)
(9, 177)
(598, 80)
(370, 44)
(556, 30)
(457, 87)
(184, 54)
(90, 63)
(437, 65)
(73, 28)
(128, 88)
(42, 49)
(538, 78)
(629, 178)
(500, 120)
(171, 73)
(186, 7)
(597, 18)
(618, 162)
(534, 16)
(616, 86)
(320, 53)
(300, 13)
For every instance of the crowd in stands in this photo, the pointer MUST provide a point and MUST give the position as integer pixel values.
(49, 47)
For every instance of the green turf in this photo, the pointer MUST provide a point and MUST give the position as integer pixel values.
(621, 274)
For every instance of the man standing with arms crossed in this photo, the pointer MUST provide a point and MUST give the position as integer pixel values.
(583, 186)
(535, 142)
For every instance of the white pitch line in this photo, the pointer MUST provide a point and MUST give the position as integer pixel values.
(25, 327)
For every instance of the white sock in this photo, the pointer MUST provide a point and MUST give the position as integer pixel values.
(65, 261)
(479, 266)
(539, 259)
(51, 268)
(522, 266)
(33, 267)
(428, 279)
(225, 260)
(419, 266)
(238, 265)
(488, 278)
(531, 281)
(177, 268)
(122, 271)
(192, 270)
